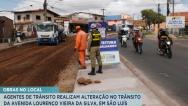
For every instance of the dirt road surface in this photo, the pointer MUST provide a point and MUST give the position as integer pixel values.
(33, 65)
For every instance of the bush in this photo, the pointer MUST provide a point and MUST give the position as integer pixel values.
(148, 32)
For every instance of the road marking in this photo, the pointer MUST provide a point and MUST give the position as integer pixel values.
(179, 44)
(164, 74)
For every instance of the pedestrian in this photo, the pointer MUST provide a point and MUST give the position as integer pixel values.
(94, 49)
(80, 46)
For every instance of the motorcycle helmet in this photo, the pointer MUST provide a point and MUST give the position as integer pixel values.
(163, 32)
(136, 30)
(93, 26)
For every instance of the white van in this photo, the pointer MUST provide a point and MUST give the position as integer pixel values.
(47, 32)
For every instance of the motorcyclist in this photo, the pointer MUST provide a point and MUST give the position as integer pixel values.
(163, 35)
(137, 34)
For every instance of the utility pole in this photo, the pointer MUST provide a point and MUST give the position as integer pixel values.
(45, 10)
(173, 3)
(45, 5)
(133, 19)
(168, 8)
(158, 17)
(103, 13)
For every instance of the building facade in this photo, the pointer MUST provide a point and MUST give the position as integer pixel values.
(82, 19)
(25, 20)
(116, 21)
(139, 23)
(113, 22)
(6, 28)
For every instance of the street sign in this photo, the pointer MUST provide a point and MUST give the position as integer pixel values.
(109, 51)
(175, 22)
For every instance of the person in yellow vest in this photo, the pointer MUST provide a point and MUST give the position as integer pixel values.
(94, 49)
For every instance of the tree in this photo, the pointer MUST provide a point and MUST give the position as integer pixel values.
(151, 17)
(147, 16)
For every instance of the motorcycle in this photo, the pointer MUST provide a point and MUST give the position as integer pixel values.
(138, 42)
(124, 39)
(166, 48)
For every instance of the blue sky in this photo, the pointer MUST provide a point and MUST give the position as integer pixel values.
(8, 4)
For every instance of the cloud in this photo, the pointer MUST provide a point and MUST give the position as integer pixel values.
(7, 14)
(94, 6)
(65, 6)
(181, 7)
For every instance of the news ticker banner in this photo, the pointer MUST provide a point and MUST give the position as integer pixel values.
(109, 51)
(50, 96)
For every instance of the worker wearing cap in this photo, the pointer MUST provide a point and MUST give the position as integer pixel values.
(81, 45)
(94, 49)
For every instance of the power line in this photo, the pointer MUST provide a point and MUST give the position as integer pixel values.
(154, 1)
(57, 8)
(23, 7)
(170, 2)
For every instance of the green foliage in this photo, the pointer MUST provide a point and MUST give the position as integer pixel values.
(152, 17)
(145, 33)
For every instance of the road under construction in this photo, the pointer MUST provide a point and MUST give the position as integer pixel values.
(33, 65)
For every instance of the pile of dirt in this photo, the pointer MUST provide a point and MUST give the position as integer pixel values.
(85, 81)
(67, 77)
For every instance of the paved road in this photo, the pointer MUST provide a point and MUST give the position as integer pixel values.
(170, 74)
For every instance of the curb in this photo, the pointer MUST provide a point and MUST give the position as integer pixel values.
(18, 44)
(29, 41)
(169, 101)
